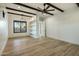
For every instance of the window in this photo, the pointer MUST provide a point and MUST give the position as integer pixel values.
(19, 26)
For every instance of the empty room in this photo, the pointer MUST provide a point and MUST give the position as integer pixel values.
(39, 29)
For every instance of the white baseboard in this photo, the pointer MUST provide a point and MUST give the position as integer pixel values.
(64, 40)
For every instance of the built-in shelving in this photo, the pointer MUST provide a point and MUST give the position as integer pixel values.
(33, 28)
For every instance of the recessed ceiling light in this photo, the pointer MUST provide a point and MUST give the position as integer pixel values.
(44, 14)
(19, 7)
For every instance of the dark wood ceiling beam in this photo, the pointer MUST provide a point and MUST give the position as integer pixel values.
(20, 11)
(55, 7)
(20, 4)
(18, 14)
(77, 4)
(47, 7)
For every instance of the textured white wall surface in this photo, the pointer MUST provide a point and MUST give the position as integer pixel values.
(3, 29)
(11, 18)
(64, 26)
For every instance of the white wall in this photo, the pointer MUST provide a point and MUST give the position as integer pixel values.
(3, 29)
(11, 18)
(41, 22)
(41, 27)
(64, 26)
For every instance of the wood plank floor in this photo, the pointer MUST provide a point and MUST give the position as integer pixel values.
(28, 46)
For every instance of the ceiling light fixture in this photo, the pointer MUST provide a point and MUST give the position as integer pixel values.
(19, 7)
(44, 14)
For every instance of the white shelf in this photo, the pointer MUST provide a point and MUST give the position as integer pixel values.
(33, 29)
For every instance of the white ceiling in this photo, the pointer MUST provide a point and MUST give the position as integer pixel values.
(63, 6)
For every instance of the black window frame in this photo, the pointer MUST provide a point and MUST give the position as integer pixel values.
(20, 26)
